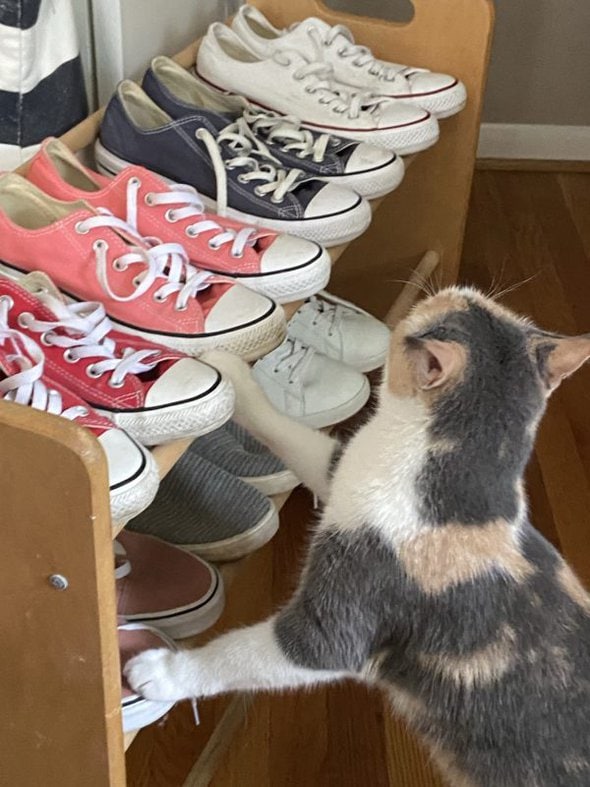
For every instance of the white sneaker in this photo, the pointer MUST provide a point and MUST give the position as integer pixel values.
(310, 387)
(354, 65)
(291, 83)
(341, 331)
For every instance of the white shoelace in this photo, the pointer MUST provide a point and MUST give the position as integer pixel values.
(362, 57)
(319, 78)
(289, 134)
(84, 334)
(291, 360)
(166, 261)
(323, 312)
(272, 181)
(191, 206)
(26, 386)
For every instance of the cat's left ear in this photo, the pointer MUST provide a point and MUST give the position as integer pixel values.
(558, 357)
(436, 362)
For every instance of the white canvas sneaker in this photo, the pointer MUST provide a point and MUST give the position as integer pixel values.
(310, 387)
(341, 331)
(292, 83)
(440, 94)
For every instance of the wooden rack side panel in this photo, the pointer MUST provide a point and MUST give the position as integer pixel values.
(59, 680)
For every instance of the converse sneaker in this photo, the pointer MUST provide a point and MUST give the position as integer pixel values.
(354, 65)
(132, 471)
(310, 387)
(134, 638)
(282, 267)
(224, 165)
(164, 586)
(237, 452)
(152, 292)
(341, 331)
(367, 169)
(155, 394)
(208, 511)
(290, 82)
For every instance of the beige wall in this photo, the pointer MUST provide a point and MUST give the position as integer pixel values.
(540, 69)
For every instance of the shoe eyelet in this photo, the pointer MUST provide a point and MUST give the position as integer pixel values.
(135, 181)
(190, 232)
(24, 319)
(236, 255)
(7, 300)
(212, 245)
(116, 385)
(257, 191)
(170, 216)
(80, 228)
(149, 199)
(118, 265)
(241, 179)
(181, 308)
(158, 298)
(92, 373)
(84, 412)
(100, 245)
(45, 338)
(69, 357)
(276, 201)
(136, 281)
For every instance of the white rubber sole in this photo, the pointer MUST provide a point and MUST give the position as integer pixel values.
(374, 183)
(326, 230)
(192, 619)
(139, 712)
(337, 414)
(240, 545)
(274, 484)
(131, 498)
(404, 140)
(178, 421)
(294, 285)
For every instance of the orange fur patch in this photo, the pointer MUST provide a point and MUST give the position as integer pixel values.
(441, 557)
(572, 587)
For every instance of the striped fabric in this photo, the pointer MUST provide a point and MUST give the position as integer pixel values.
(41, 83)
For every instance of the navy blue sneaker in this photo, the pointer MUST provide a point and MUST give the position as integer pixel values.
(367, 169)
(208, 151)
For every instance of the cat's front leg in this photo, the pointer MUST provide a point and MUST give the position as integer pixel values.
(247, 659)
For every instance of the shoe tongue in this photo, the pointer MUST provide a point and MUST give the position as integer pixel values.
(40, 285)
(217, 121)
(313, 22)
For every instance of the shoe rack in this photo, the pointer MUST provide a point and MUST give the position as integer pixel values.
(60, 680)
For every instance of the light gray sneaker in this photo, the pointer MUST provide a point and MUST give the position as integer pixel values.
(235, 450)
(208, 511)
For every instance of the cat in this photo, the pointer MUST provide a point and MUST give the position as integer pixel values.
(424, 575)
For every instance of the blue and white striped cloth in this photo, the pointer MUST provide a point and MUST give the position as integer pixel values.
(42, 89)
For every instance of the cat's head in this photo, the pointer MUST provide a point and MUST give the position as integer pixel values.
(461, 349)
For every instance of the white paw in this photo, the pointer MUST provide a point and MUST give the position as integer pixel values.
(249, 394)
(157, 675)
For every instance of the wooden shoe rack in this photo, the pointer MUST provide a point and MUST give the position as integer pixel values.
(59, 675)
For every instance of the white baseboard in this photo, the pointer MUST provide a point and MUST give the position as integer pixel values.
(523, 141)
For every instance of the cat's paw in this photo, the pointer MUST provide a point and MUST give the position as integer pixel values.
(158, 675)
(249, 395)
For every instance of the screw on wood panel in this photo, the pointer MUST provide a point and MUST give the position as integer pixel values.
(58, 581)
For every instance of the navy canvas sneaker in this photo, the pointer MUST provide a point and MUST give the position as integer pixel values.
(369, 170)
(207, 151)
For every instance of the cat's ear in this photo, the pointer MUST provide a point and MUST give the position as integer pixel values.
(435, 362)
(558, 357)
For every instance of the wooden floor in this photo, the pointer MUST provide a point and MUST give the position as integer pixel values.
(523, 227)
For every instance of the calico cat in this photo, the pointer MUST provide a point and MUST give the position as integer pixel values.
(424, 574)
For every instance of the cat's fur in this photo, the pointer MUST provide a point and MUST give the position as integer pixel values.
(424, 574)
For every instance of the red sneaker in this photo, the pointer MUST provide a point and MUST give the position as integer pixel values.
(152, 292)
(283, 267)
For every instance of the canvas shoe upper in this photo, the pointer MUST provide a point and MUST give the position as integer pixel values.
(354, 65)
(207, 151)
(367, 169)
(282, 267)
(310, 387)
(151, 292)
(342, 331)
(165, 586)
(289, 82)
(155, 394)
(132, 471)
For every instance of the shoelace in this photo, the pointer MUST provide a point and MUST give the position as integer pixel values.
(84, 334)
(191, 206)
(274, 181)
(26, 386)
(362, 55)
(320, 82)
(323, 311)
(287, 132)
(166, 261)
(292, 359)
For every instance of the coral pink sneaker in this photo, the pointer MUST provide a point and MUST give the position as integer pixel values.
(155, 394)
(165, 586)
(283, 267)
(133, 475)
(152, 292)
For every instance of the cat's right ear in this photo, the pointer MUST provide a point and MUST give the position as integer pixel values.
(560, 356)
(435, 362)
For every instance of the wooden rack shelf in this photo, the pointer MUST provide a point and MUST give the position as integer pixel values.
(66, 727)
